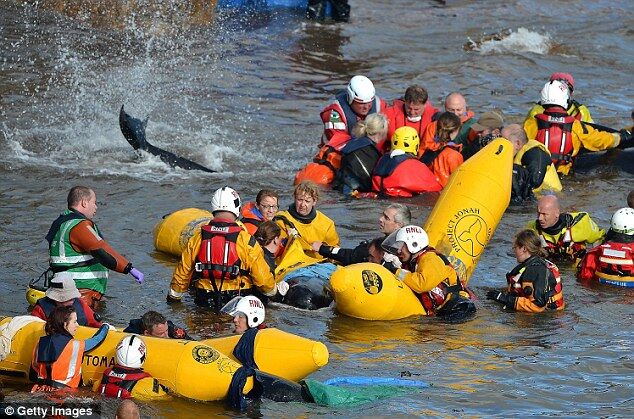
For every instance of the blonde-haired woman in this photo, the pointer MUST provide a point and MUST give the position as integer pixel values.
(303, 220)
(360, 155)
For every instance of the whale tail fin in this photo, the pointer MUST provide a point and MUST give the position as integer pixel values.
(133, 130)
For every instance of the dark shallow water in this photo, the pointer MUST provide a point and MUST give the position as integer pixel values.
(242, 95)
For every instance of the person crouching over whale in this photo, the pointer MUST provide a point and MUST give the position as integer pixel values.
(263, 209)
(268, 235)
(427, 272)
(127, 379)
(446, 155)
(221, 259)
(302, 219)
(534, 285)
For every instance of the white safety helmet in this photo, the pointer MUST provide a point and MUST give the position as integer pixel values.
(250, 306)
(360, 89)
(226, 199)
(414, 237)
(623, 221)
(131, 352)
(555, 93)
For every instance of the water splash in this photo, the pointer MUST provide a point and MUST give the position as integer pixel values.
(145, 59)
(523, 40)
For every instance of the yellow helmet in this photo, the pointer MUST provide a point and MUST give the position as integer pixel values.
(406, 139)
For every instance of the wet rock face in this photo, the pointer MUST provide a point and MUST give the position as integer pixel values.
(119, 13)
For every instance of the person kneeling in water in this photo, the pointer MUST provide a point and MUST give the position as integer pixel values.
(534, 285)
(155, 324)
(427, 272)
(613, 261)
(222, 260)
(248, 313)
(400, 173)
(127, 379)
(248, 317)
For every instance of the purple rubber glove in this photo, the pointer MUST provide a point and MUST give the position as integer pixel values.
(137, 274)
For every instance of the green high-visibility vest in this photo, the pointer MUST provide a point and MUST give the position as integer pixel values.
(65, 259)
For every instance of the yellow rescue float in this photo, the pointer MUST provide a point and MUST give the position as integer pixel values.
(369, 291)
(199, 370)
(173, 232)
(460, 226)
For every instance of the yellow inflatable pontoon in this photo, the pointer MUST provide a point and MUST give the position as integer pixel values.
(173, 232)
(471, 205)
(369, 291)
(460, 225)
(196, 370)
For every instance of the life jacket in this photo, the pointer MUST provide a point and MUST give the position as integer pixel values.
(443, 161)
(554, 130)
(551, 179)
(57, 361)
(398, 117)
(435, 299)
(465, 135)
(64, 258)
(615, 264)
(554, 287)
(350, 118)
(329, 157)
(323, 168)
(385, 167)
(119, 381)
(564, 245)
(403, 175)
(387, 164)
(49, 305)
(359, 158)
(217, 258)
(251, 217)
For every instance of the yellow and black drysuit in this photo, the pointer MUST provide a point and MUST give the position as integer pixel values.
(221, 260)
(533, 286)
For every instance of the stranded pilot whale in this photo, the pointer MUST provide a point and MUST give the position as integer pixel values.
(133, 130)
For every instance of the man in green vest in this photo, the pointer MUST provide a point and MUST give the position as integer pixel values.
(78, 251)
